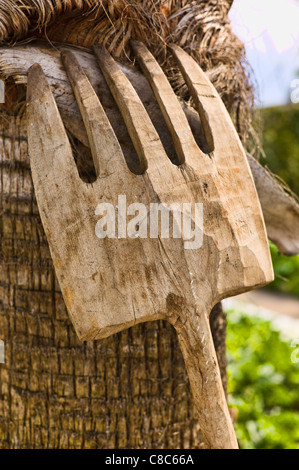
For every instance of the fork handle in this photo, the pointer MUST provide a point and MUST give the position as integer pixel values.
(198, 350)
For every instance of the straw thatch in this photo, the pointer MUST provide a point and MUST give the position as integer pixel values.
(201, 27)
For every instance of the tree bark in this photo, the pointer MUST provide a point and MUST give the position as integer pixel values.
(127, 391)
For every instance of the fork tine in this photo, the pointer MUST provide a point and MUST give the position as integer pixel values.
(105, 148)
(51, 158)
(175, 118)
(218, 127)
(144, 136)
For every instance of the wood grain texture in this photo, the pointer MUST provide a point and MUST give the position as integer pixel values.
(114, 283)
(280, 210)
(128, 391)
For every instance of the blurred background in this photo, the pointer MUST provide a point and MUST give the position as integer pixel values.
(263, 326)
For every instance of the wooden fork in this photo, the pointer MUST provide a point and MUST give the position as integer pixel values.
(112, 283)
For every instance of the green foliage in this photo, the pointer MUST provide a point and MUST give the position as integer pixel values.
(281, 142)
(263, 384)
(263, 380)
(281, 146)
(286, 271)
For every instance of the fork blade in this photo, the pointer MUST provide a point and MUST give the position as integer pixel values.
(219, 130)
(53, 167)
(144, 136)
(105, 148)
(175, 118)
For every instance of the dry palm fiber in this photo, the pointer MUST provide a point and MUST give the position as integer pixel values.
(201, 27)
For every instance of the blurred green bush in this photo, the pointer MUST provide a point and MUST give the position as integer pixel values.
(281, 142)
(263, 380)
(263, 383)
(286, 271)
(281, 146)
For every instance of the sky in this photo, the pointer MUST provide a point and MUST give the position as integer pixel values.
(270, 32)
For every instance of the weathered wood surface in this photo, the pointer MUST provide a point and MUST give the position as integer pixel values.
(113, 284)
(130, 390)
(281, 211)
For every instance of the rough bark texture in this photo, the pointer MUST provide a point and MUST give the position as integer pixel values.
(128, 391)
